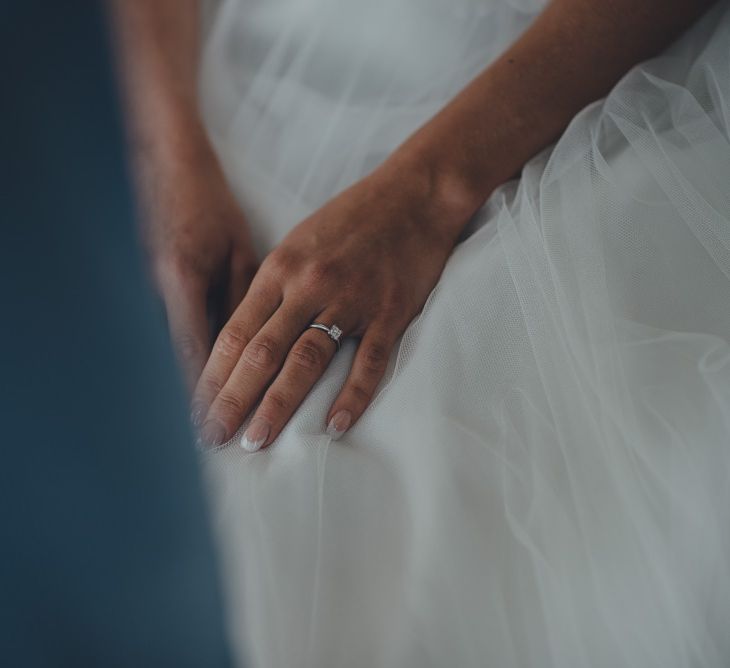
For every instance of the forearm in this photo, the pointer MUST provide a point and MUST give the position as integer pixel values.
(158, 52)
(199, 246)
(575, 51)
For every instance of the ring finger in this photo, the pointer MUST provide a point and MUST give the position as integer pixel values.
(304, 365)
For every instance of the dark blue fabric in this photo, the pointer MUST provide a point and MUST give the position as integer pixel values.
(106, 555)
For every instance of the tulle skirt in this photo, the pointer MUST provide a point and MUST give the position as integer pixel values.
(544, 477)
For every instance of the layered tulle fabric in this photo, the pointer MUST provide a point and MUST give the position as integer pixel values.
(544, 477)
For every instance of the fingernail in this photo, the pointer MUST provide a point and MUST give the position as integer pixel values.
(196, 415)
(339, 424)
(213, 433)
(256, 434)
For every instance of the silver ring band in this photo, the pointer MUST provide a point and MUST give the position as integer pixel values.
(333, 332)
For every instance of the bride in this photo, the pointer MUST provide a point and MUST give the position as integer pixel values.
(484, 365)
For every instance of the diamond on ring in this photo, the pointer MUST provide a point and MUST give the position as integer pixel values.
(333, 332)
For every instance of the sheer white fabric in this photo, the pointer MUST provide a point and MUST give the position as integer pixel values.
(544, 477)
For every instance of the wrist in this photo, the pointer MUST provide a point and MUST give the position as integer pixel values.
(446, 199)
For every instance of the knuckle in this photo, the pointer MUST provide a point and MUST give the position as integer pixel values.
(209, 387)
(261, 353)
(187, 347)
(232, 340)
(375, 357)
(308, 355)
(228, 406)
(360, 393)
(278, 402)
(278, 263)
(319, 273)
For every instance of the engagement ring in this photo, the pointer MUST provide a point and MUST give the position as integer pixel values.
(333, 332)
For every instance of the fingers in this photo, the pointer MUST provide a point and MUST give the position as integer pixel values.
(297, 359)
(185, 304)
(255, 309)
(305, 363)
(257, 363)
(289, 358)
(368, 369)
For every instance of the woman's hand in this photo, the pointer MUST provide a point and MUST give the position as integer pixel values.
(365, 262)
(198, 241)
(197, 237)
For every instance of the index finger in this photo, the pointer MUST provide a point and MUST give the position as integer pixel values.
(255, 309)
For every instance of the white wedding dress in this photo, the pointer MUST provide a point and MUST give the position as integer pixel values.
(543, 480)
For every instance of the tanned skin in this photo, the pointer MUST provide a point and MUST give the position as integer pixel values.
(369, 258)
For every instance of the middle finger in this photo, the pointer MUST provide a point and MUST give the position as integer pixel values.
(304, 365)
(259, 362)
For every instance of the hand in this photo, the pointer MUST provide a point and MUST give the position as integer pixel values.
(367, 262)
(198, 240)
